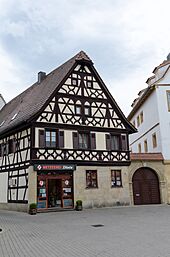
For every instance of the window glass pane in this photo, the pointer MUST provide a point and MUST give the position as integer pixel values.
(87, 111)
(116, 180)
(115, 143)
(83, 140)
(78, 110)
(91, 179)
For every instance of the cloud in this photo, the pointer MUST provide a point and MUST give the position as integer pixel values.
(125, 39)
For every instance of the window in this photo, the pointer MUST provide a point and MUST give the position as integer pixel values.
(91, 179)
(141, 117)
(138, 121)
(78, 109)
(11, 146)
(116, 142)
(74, 82)
(146, 146)
(84, 140)
(116, 179)
(168, 99)
(89, 84)
(87, 111)
(139, 148)
(50, 138)
(134, 124)
(154, 140)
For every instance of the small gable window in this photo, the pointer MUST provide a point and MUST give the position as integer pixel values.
(87, 111)
(89, 84)
(74, 82)
(78, 109)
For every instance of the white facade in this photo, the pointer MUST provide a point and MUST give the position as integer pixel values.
(153, 103)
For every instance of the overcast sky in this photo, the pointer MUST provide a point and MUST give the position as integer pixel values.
(125, 39)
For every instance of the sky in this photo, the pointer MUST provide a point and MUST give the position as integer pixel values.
(126, 39)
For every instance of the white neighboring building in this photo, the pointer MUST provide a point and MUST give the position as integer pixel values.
(2, 101)
(151, 114)
(150, 168)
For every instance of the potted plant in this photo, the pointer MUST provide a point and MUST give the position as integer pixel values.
(33, 208)
(79, 205)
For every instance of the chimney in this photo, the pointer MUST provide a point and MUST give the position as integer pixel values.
(41, 76)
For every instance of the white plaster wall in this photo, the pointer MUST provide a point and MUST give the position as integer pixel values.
(150, 119)
(3, 187)
(164, 115)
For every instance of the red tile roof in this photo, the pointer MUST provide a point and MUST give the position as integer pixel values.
(146, 157)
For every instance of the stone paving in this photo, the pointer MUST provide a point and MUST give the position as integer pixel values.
(142, 231)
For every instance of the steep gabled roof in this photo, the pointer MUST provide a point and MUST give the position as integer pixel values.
(25, 106)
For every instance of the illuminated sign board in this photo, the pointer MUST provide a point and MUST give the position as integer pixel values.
(44, 167)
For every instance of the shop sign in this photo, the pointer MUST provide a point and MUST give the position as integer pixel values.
(44, 167)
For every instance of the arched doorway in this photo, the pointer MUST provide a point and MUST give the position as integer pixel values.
(145, 187)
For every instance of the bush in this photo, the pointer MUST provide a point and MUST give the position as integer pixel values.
(33, 206)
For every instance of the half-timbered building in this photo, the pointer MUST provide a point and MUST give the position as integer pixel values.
(63, 139)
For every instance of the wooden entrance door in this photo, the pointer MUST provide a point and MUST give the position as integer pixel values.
(145, 187)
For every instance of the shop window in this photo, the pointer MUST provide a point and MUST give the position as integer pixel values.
(82, 140)
(91, 179)
(116, 179)
(139, 148)
(146, 146)
(154, 140)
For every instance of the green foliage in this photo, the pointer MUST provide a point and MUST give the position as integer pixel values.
(33, 206)
(79, 203)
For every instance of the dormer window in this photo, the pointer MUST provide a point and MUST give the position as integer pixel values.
(15, 115)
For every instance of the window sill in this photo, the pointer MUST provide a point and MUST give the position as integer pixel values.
(116, 186)
(91, 188)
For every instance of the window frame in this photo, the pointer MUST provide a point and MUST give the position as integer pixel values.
(154, 140)
(139, 148)
(141, 117)
(56, 138)
(91, 178)
(76, 108)
(116, 180)
(146, 146)
(168, 99)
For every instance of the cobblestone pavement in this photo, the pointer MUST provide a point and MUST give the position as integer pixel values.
(142, 231)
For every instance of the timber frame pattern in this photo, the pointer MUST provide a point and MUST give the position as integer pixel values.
(72, 97)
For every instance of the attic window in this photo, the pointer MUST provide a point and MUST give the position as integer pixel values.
(2, 123)
(15, 115)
